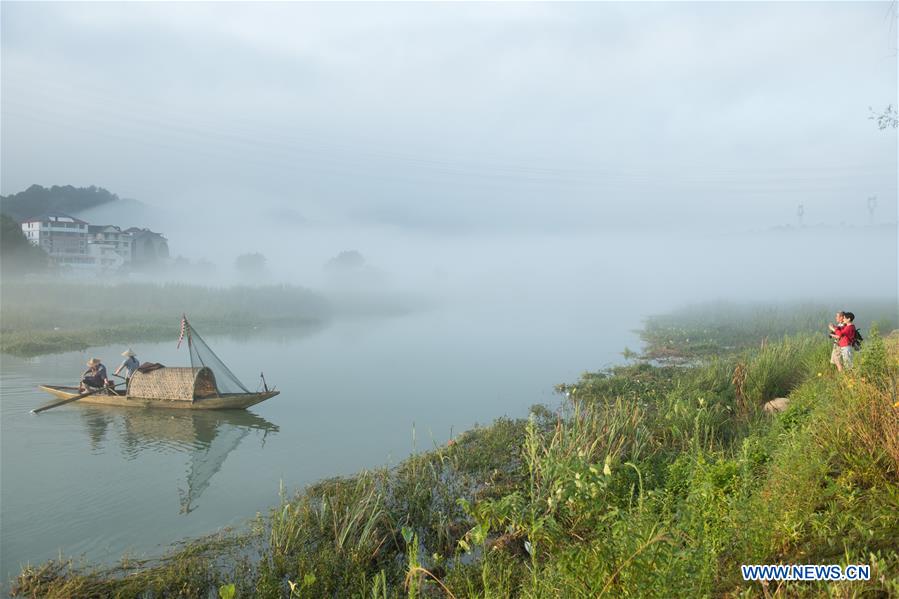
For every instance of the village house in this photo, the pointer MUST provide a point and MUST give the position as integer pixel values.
(72, 242)
(147, 247)
(110, 246)
(63, 237)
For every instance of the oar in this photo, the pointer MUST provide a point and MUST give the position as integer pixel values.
(62, 402)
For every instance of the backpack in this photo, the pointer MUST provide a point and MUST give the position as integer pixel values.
(857, 342)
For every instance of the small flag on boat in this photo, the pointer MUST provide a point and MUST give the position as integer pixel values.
(183, 328)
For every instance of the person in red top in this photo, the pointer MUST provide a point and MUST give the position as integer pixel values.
(835, 354)
(845, 336)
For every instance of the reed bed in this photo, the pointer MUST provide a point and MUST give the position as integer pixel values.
(46, 317)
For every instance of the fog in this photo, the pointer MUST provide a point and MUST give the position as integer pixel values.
(483, 200)
(625, 156)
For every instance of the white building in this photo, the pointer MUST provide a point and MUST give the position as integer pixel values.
(73, 243)
(104, 256)
(63, 237)
(110, 236)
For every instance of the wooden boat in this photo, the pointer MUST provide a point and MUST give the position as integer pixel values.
(190, 388)
(225, 401)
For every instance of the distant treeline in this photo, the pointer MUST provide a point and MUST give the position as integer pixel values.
(17, 255)
(38, 200)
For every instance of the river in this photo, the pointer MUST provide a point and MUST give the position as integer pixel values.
(100, 482)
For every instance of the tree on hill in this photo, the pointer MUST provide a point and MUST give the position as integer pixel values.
(346, 261)
(38, 200)
(16, 253)
(250, 263)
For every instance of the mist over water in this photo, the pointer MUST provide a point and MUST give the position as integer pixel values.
(524, 185)
(651, 267)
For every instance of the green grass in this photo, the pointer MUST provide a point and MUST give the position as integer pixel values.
(648, 481)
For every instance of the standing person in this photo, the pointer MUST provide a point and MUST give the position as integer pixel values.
(835, 354)
(845, 336)
(94, 376)
(129, 365)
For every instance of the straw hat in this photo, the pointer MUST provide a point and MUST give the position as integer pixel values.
(93, 361)
(128, 353)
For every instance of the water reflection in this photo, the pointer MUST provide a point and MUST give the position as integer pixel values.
(206, 437)
(97, 423)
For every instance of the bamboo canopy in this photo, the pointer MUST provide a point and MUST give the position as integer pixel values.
(174, 384)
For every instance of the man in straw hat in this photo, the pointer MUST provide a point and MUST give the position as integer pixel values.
(129, 365)
(94, 376)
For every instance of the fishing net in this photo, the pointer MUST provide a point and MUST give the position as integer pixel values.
(202, 356)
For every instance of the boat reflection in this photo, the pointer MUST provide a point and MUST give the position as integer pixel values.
(206, 437)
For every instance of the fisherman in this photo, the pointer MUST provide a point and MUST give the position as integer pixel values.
(94, 376)
(129, 365)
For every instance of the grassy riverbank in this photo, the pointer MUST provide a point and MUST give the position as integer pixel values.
(37, 318)
(709, 329)
(648, 481)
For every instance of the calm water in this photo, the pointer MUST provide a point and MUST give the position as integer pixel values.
(99, 482)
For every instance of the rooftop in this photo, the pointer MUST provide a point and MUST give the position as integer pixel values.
(55, 217)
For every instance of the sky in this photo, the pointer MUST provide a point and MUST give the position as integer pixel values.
(458, 118)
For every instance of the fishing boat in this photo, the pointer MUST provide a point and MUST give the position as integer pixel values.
(205, 385)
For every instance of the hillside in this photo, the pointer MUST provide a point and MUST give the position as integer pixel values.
(16, 254)
(38, 200)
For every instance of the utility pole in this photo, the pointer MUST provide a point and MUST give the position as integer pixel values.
(800, 212)
(872, 206)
